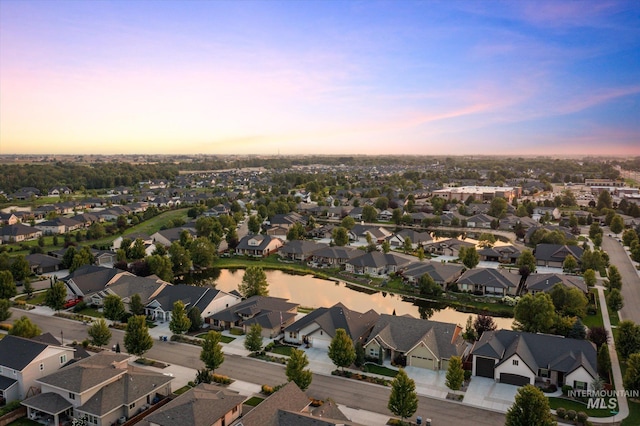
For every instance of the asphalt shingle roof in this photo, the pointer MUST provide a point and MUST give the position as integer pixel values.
(356, 324)
(17, 352)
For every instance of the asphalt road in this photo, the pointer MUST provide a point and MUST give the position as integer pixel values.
(630, 280)
(347, 392)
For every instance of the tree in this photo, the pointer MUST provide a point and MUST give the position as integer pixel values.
(568, 301)
(604, 362)
(180, 259)
(386, 247)
(135, 305)
(469, 333)
(632, 375)
(455, 374)
(137, 340)
(615, 300)
(577, 330)
(99, 333)
(615, 279)
(484, 323)
(160, 266)
(138, 249)
(498, 208)
(5, 309)
(598, 335)
(360, 355)
(604, 200)
(254, 283)
(617, 224)
(570, 264)
(28, 288)
(526, 263)
(403, 400)
(203, 252)
(531, 407)
(369, 214)
(113, 308)
(340, 236)
(253, 224)
(534, 314)
(179, 323)
(589, 277)
(211, 353)
(628, 341)
(56, 295)
(253, 340)
(81, 258)
(23, 327)
(295, 369)
(469, 256)
(408, 245)
(428, 287)
(195, 316)
(341, 349)
(8, 287)
(20, 268)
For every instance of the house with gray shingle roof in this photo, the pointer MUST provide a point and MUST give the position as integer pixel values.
(258, 245)
(208, 300)
(23, 361)
(520, 358)
(553, 255)
(203, 405)
(502, 254)
(300, 250)
(486, 281)
(88, 280)
(415, 342)
(287, 398)
(336, 256)
(376, 264)
(318, 327)
(545, 282)
(125, 285)
(19, 232)
(448, 247)
(418, 239)
(442, 273)
(102, 388)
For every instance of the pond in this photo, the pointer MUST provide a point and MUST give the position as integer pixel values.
(313, 292)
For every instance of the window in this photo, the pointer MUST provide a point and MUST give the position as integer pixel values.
(63, 359)
(41, 366)
(132, 405)
(514, 362)
(234, 410)
(72, 395)
(577, 385)
(544, 373)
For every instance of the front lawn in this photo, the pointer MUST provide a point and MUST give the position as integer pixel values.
(634, 414)
(571, 404)
(253, 401)
(91, 312)
(37, 299)
(282, 350)
(379, 369)
(223, 338)
(594, 320)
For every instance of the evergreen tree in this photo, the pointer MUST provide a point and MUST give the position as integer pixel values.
(455, 374)
(179, 323)
(360, 355)
(403, 400)
(614, 279)
(195, 316)
(254, 283)
(615, 300)
(531, 407)
(5, 309)
(604, 362)
(469, 332)
(253, 340)
(628, 340)
(632, 375)
(577, 330)
(295, 369)
(137, 340)
(99, 333)
(211, 353)
(23, 327)
(341, 349)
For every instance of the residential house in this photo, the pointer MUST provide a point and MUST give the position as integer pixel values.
(23, 361)
(8, 218)
(415, 342)
(88, 280)
(520, 358)
(552, 212)
(442, 273)
(553, 255)
(42, 263)
(318, 327)
(502, 254)
(59, 225)
(19, 232)
(272, 313)
(59, 190)
(385, 215)
(376, 264)
(203, 405)
(448, 247)
(545, 282)
(480, 220)
(452, 218)
(377, 234)
(418, 239)
(485, 281)
(117, 243)
(300, 250)
(26, 193)
(124, 285)
(102, 389)
(288, 398)
(335, 256)
(287, 220)
(258, 245)
(208, 300)
(166, 237)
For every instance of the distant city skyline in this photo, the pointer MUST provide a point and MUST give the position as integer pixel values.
(320, 77)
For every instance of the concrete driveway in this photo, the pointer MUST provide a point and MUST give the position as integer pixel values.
(487, 393)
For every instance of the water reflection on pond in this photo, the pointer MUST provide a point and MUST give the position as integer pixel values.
(313, 292)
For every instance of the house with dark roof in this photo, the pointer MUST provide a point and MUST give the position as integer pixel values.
(520, 358)
(203, 405)
(273, 314)
(101, 389)
(318, 327)
(287, 220)
(448, 247)
(258, 245)
(502, 254)
(545, 282)
(553, 255)
(19, 232)
(288, 398)
(42, 263)
(88, 279)
(23, 361)
(167, 236)
(487, 281)
(418, 239)
(442, 273)
(8, 218)
(415, 342)
(335, 256)
(300, 250)
(125, 285)
(59, 225)
(480, 220)
(376, 264)
(208, 300)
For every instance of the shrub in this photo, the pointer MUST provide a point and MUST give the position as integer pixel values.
(571, 415)
(6, 327)
(80, 306)
(85, 343)
(13, 405)
(582, 417)
(267, 390)
(269, 346)
(467, 374)
(561, 412)
(223, 380)
(566, 389)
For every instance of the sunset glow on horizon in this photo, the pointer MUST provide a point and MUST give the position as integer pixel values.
(320, 77)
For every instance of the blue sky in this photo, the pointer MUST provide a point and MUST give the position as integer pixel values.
(314, 77)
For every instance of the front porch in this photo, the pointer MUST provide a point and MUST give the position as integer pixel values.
(49, 409)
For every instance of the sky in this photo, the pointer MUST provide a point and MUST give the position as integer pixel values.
(320, 77)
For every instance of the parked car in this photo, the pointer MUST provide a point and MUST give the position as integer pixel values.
(71, 303)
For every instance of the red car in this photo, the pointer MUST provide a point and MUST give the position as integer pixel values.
(71, 303)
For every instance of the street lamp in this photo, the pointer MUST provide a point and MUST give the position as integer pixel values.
(62, 337)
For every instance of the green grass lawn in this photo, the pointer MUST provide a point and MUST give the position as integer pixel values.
(182, 390)
(378, 369)
(24, 422)
(594, 320)
(223, 338)
(613, 316)
(282, 350)
(577, 406)
(91, 312)
(37, 299)
(634, 414)
(253, 401)
(154, 224)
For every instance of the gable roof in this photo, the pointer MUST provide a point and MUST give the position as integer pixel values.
(87, 373)
(356, 324)
(509, 251)
(191, 295)
(255, 307)
(199, 406)
(17, 352)
(338, 252)
(440, 272)
(375, 259)
(545, 282)
(126, 285)
(538, 350)
(301, 247)
(403, 333)
(557, 252)
(91, 278)
(415, 236)
(255, 242)
(488, 277)
(289, 398)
